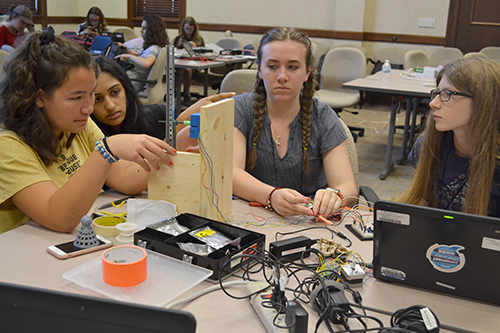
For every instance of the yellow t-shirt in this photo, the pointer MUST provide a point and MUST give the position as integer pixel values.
(20, 167)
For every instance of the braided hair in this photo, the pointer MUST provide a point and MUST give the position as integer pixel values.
(305, 98)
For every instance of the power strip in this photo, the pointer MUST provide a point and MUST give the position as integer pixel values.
(267, 315)
(362, 232)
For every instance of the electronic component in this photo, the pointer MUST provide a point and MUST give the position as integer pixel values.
(360, 230)
(194, 131)
(352, 273)
(291, 248)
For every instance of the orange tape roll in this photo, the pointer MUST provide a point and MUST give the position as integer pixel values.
(124, 266)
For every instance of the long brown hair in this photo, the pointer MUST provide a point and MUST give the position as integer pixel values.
(195, 37)
(480, 78)
(260, 95)
(37, 64)
(102, 20)
(155, 31)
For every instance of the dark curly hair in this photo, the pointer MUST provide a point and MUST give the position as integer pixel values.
(32, 67)
(155, 32)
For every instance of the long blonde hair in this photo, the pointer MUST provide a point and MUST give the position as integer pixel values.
(479, 78)
(260, 95)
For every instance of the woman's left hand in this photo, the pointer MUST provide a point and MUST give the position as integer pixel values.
(326, 202)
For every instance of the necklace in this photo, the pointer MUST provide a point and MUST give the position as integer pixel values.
(277, 140)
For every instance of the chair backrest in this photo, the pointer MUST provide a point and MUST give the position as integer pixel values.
(342, 64)
(128, 33)
(353, 154)
(155, 92)
(395, 55)
(239, 81)
(444, 55)
(319, 50)
(3, 56)
(475, 54)
(492, 52)
(359, 47)
(230, 43)
(415, 58)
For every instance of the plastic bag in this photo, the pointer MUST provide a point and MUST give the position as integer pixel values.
(211, 237)
(199, 249)
(170, 226)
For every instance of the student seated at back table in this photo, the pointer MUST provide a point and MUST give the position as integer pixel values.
(188, 32)
(94, 25)
(118, 110)
(155, 37)
(54, 159)
(284, 137)
(20, 18)
(458, 154)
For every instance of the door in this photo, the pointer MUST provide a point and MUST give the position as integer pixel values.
(473, 24)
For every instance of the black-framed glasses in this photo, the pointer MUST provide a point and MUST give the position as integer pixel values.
(445, 94)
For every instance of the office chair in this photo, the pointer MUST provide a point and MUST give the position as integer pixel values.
(341, 65)
(475, 54)
(128, 33)
(367, 192)
(154, 92)
(319, 51)
(229, 43)
(444, 55)
(239, 81)
(415, 58)
(492, 52)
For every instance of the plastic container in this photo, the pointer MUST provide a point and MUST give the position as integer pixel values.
(386, 73)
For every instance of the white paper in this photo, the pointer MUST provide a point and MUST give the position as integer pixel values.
(144, 212)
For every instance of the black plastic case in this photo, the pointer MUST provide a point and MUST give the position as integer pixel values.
(164, 243)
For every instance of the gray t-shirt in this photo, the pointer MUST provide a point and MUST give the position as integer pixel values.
(139, 72)
(327, 132)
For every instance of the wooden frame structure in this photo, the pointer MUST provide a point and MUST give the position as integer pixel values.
(201, 184)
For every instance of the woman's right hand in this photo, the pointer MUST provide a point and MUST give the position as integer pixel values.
(288, 202)
(145, 150)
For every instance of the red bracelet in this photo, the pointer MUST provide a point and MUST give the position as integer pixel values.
(268, 201)
(337, 192)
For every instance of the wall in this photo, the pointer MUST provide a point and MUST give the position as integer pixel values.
(368, 16)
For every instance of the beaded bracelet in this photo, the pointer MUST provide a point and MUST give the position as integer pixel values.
(100, 147)
(268, 201)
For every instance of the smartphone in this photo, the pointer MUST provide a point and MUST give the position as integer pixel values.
(68, 250)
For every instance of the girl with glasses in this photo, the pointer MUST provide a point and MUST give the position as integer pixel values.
(94, 25)
(457, 157)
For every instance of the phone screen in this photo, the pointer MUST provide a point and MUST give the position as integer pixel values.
(69, 247)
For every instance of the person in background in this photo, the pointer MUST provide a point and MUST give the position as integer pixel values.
(54, 159)
(188, 32)
(287, 145)
(20, 18)
(117, 108)
(155, 37)
(457, 158)
(94, 25)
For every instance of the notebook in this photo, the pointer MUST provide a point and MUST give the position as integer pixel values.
(29, 309)
(439, 250)
(100, 44)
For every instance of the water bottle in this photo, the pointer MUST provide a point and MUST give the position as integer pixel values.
(386, 73)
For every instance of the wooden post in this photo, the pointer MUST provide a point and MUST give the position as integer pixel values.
(189, 182)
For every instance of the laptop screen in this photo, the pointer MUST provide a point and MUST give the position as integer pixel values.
(435, 249)
(100, 44)
(28, 309)
(189, 49)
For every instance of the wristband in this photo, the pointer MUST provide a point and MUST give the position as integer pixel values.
(268, 201)
(100, 147)
(337, 192)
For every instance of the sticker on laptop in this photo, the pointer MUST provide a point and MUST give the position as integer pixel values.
(446, 258)
(392, 273)
(393, 217)
(491, 243)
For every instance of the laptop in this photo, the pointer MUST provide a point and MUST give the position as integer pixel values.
(115, 36)
(192, 54)
(439, 250)
(100, 44)
(29, 309)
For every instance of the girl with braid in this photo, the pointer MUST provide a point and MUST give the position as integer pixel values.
(287, 145)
